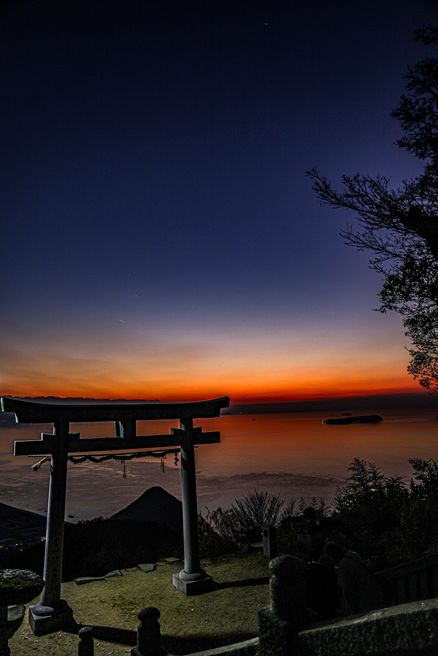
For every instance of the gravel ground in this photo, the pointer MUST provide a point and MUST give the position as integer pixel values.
(225, 615)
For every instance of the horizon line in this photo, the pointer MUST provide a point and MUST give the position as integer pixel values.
(323, 399)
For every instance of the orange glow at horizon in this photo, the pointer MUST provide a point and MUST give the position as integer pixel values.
(244, 390)
(250, 367)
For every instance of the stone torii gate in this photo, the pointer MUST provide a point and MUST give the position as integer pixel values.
(52, 612)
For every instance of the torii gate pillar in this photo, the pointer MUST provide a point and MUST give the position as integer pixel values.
(192, 579)
(52, 612)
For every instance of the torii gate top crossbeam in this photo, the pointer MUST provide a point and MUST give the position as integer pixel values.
(47, 412)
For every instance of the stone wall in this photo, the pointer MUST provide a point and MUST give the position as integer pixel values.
(245, 648)
(286, 627)
(407, 629)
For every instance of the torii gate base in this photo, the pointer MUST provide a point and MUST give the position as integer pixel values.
(48, 619)
(52, 613)
(192, 586)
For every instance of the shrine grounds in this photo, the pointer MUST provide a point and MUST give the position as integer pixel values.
(225, 615)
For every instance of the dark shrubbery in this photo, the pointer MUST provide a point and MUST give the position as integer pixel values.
(212, 542)
(382, 517)
(258, 509)
(242, 522)
(96, 547)
(368, 509)
(23, 556)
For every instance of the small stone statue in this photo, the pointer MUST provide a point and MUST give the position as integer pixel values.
(148, 634)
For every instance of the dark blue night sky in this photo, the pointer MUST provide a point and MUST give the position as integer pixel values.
(160, 238)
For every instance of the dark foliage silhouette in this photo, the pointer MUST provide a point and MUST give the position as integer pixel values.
(382, 516)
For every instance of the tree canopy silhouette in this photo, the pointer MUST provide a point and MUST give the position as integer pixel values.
(400, 225)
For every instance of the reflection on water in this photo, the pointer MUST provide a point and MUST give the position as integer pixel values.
(291, 454)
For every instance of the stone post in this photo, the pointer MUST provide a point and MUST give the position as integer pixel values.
(52, 613)
(86, 644)
(192, 579)
(148, 634)
(279, 624)
(269, 535)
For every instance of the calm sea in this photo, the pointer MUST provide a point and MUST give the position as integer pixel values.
(292, 454)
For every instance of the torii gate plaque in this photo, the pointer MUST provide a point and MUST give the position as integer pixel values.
(52, 612)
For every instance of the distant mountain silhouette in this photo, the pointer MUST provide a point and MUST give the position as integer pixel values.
(21, 525)
(7, 419)
(403, 401)
(83, 399)
(154, 505)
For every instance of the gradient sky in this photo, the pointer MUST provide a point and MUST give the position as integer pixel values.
(159, 236)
